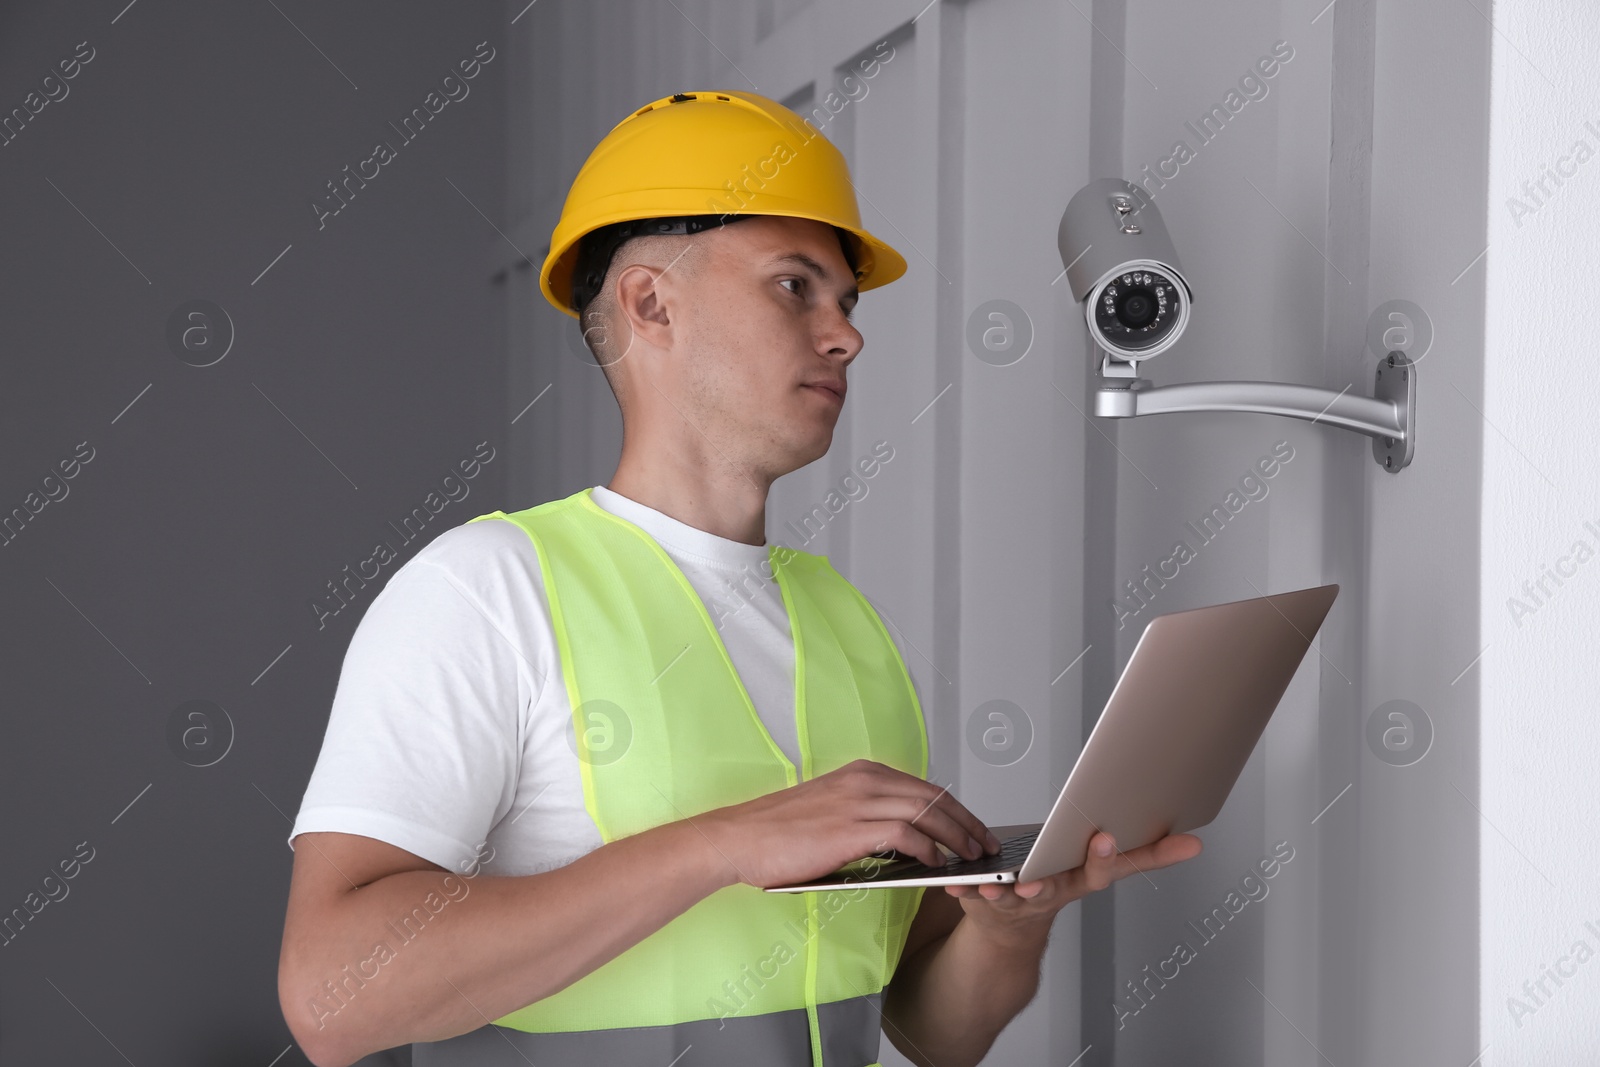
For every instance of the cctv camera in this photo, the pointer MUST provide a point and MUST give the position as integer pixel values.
(1121, 263)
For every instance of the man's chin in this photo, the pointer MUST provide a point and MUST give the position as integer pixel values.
(806, 452)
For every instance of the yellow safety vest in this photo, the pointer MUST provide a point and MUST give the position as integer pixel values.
(666, 730)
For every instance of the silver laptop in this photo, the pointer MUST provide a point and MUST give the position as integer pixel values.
(1178, 728)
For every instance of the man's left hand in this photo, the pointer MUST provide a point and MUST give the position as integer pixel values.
(1021, 908)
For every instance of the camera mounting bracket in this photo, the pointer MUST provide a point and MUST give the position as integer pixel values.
(1388, 416)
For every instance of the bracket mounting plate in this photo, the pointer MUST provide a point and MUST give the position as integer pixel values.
(1396, 381)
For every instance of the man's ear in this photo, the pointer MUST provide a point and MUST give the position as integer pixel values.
(642, 307)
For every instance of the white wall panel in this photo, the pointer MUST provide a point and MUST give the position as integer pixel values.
(1540, 598)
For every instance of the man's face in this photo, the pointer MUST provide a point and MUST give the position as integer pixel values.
(766, 319)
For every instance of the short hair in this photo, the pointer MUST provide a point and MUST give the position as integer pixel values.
(598, 311)
(599, 248)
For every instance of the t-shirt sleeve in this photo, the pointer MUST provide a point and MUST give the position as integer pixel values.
(424, 740)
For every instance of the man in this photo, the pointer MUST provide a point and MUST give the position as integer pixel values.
(543, 702)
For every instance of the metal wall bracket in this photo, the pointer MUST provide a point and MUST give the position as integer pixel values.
(1388, 416)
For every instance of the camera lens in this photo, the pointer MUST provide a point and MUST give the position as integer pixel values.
(1137, 307)
(1138, 312)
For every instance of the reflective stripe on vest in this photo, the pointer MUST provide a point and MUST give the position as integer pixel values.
(776, 1039)
(666, 730)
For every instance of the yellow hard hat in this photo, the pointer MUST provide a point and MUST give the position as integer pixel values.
(691, 161)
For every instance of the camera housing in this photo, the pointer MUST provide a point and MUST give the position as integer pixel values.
(1122, 266)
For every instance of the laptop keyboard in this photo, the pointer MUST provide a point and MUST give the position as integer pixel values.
(1013, 850)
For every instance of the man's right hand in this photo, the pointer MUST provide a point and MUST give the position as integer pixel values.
(815, 827)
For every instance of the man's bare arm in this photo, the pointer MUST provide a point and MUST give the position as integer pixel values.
(494, 944)
(958, 985)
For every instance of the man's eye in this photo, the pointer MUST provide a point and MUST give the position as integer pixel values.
(797, 281)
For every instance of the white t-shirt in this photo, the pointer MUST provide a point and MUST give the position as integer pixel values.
(451, 726)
